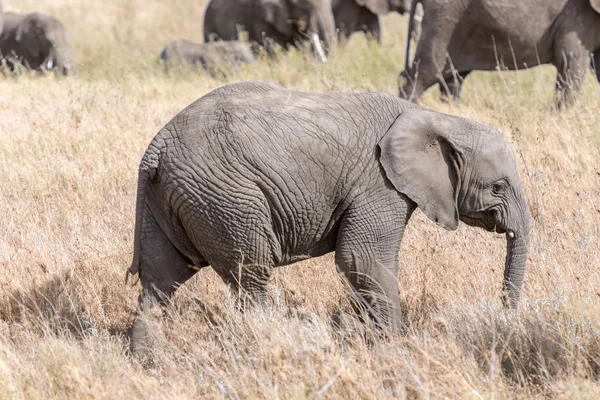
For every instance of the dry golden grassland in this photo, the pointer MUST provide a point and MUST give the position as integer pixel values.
(69, 152)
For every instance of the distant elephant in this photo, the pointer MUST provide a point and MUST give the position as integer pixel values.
(284, 22)
(208, 55)
(254, 175)
(466, 35)
(38, 41)
(363, 15)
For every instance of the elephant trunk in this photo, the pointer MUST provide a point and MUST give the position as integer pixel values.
(322, 29)
(517, 247)
(61, 60)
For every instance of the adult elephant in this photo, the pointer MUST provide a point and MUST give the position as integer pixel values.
(363, 15)
(466, 35)
(254, 175)
(284, 22)
(38, 41)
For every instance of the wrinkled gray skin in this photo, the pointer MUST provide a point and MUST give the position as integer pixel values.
(284, 22)
(256, 175)
(208, 55)
(363, 15)
(38, 40)
(482, 34)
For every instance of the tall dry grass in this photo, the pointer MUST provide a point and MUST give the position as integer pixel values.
(69, 150)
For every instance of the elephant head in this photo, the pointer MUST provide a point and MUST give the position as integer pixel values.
(312, 19)
(456, 169)
(44, 37)
(381, 7)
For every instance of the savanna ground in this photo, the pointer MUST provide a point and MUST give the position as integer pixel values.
(69, 151)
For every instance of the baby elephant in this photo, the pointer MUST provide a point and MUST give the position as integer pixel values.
(38, 41)
(209, 55)
(254, 176)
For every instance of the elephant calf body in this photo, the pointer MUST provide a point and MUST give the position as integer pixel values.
(38, 41)
(208, 55)
(466, 35)
(253, 176)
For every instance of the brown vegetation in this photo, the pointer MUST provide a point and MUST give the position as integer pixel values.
(69, 151)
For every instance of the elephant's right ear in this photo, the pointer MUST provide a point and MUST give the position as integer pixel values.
(595, 5)
(421, 161)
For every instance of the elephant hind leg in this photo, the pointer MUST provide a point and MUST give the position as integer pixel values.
(162, 270)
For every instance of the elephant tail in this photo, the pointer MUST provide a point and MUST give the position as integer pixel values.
(411, 29)
(146, 173)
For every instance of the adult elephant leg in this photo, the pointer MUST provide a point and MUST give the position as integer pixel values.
(426, 68)
(367, 253)
(162, 270)
(373, 29)
(571, 61)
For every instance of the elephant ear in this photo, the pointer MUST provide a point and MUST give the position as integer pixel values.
(421, 161)
(379, 7)
(26, 35)
(595, 5)
(278, 14)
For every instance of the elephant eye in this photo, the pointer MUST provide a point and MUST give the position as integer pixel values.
(498, 187)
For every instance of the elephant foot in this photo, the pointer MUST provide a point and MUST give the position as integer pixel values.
(347, 324)
(141, 338)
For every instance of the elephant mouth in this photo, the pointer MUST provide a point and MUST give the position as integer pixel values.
(488, 220)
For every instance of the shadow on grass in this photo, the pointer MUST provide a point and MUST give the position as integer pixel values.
(58, 306)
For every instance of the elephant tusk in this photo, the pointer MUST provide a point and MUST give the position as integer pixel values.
(318, 48)
(49, 64)
(510, 234)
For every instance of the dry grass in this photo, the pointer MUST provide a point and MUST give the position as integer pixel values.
(69, 150)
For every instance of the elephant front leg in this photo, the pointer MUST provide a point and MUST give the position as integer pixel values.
(571, 61)
(367, 253)
(372, 28)
(249, 282)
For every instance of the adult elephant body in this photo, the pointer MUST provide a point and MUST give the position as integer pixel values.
(466, 35)
(284, 22)
(36, 40)
(363, 15)
(254, 176)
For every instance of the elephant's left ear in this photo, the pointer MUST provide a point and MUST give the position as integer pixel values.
(421, 161)
(595, 5)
